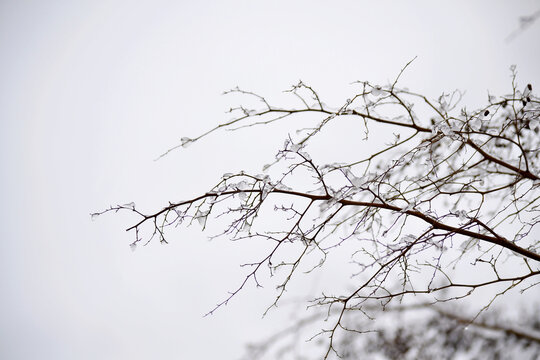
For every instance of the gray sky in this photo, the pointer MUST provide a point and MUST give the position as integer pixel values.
(93, 91)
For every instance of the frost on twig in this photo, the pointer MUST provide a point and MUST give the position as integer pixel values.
(455, 188)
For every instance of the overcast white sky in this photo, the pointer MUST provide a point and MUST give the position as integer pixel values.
(92, 91)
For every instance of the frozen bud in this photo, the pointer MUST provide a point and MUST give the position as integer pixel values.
(527, 90)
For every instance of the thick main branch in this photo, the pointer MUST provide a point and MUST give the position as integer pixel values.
(436, 224)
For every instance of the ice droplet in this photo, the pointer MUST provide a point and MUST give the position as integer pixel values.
(265, 191)
(295, 147)
(305, 155)
(376, 91)
(178, 212)
(409, 207)
(133, 246)
(445, 129)
(357, 182)
(242, 185)
(281, 186)
(129, 205)
(94, 216)
(408, 238)
(185, 142)
(201, 220)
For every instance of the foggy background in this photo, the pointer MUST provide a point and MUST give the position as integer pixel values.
(92, 92)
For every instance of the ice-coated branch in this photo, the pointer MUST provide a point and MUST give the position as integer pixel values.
(453, 187)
